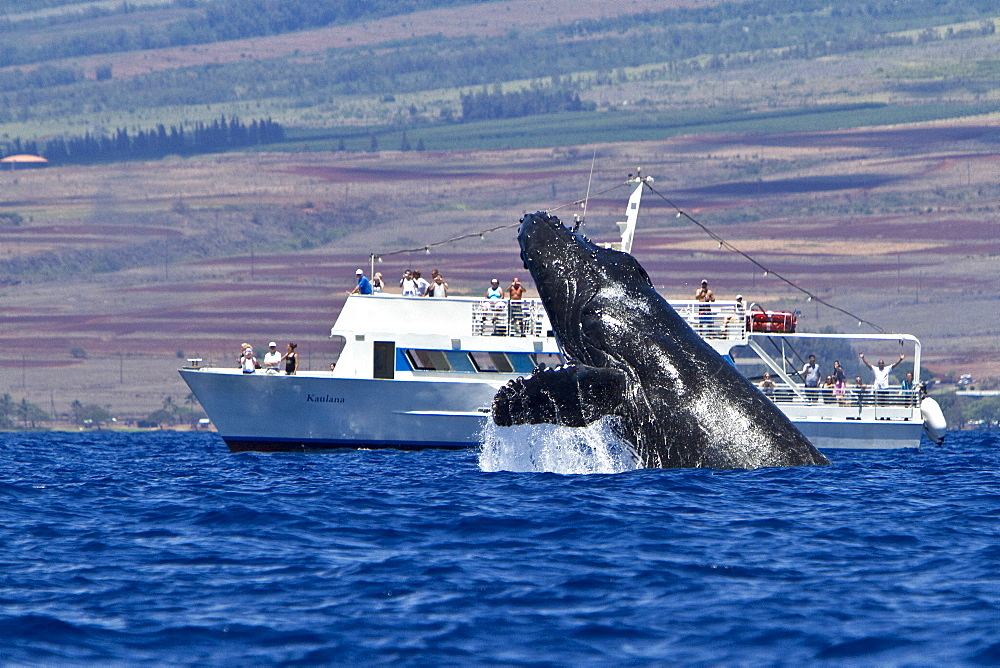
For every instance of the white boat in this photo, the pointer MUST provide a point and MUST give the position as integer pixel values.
(418, 373)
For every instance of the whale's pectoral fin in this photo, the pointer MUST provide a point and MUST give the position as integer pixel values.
(572, 396)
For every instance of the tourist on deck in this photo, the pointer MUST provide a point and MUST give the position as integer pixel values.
(243, 351)
(767, 385)
(516, 290)
(408, 284)
(497, 319)
(907, 383)
(422, 284)
(811, 376)
(272, 358)
(249, 362)
(881, 371)
(859, 390)
(438, 289)
(829, 388)
(364, 286)
(515, 293)
(291, 359)
(494, 291)
(705, 296)
(378, 285)
(839, 381)
(739, 315)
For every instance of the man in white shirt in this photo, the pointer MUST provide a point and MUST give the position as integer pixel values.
(881, 372)
(272, 358)
(881, 383)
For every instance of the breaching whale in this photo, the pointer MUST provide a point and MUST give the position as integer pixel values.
(672, 398)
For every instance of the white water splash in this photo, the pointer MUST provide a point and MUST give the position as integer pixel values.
(549, 448)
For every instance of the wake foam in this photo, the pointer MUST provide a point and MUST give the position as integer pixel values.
(553, 449)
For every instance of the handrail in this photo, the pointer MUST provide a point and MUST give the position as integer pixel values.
(848, 396)
(508, 317)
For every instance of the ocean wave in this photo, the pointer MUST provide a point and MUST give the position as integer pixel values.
(165, 548)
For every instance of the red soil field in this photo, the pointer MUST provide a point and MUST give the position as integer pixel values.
(912, 248)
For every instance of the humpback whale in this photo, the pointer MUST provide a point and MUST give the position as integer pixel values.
(673, 399)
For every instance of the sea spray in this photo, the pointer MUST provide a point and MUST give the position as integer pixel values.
(595, 448)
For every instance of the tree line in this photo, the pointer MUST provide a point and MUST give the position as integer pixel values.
(22, 413)
(219, 136)
(495, 104)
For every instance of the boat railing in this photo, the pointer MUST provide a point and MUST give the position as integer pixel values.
(503, 317)
(848, 396)
(713, 320)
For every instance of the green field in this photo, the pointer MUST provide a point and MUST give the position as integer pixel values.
(583, 128)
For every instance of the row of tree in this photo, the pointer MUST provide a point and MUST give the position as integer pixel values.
(498, 104)
(22, 414)
(43, 76)
(218, 136)
(26, 415)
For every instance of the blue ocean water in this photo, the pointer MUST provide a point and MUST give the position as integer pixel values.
(165, 548)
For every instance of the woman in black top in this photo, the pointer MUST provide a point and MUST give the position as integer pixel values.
(291, 359)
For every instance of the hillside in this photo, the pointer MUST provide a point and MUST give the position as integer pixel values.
(853, 151)
(384, 73)
(869, 220)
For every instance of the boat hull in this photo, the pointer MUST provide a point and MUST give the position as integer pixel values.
(273, 413)
(861, 435)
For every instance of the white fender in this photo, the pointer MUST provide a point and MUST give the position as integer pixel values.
(934, 422)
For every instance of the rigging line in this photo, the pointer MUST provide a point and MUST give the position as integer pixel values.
(426, 248)
(767, 270)
(590, 180)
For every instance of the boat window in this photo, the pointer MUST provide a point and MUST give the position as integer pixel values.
(459, 361)
(488, 362)
(384, 358)
(428, 360)
(550, 360)
(522, 362)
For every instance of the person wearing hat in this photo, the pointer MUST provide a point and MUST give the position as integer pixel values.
(497, 320)
(739, 314)
(494, 291)
(703, 294)
(243, 352)
(364, 286)
(272, 358)
(248, 361)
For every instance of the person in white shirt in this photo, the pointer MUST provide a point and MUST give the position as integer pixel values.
(422, 284)
(880, 385)
(439, 288)
(881, 372)
(272, 358)
(408, 284)
(248, 361)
